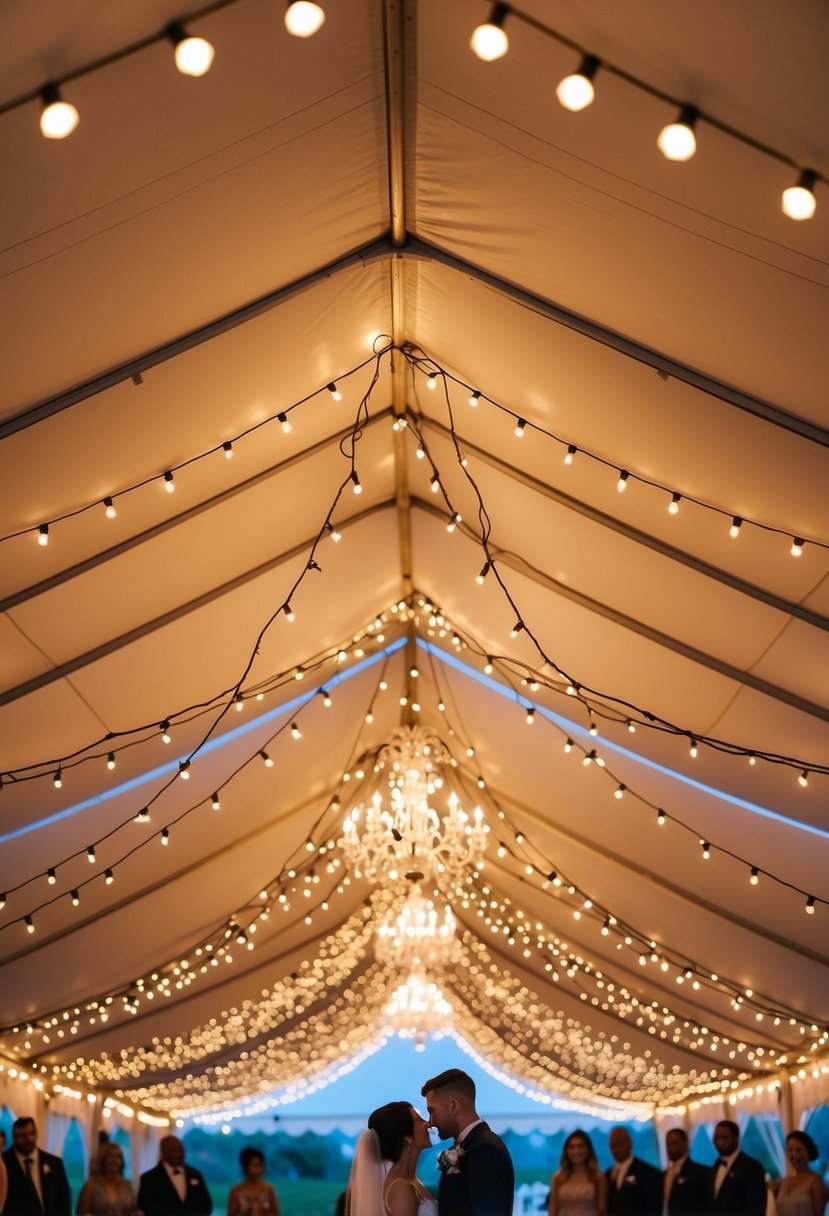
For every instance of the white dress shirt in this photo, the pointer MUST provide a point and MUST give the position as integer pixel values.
(178, 1178)
(722, 1170)
(34, 1157)
(462, 1135)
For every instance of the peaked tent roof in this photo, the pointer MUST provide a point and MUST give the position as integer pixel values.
(364, 208)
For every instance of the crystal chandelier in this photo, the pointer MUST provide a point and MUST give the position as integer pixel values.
(417, 935)
(396, 830)
(417, 1009)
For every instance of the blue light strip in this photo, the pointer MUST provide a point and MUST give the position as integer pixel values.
(573, 728)
(168, 769)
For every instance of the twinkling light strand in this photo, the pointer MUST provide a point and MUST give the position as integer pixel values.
(625, 707)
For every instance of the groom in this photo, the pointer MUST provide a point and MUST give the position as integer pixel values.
(476, 1176)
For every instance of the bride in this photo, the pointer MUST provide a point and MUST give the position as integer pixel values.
(383, 1181)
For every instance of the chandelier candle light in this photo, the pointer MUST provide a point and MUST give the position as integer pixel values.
(396, 832)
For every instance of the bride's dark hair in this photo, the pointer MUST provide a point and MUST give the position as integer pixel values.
(392, 1122)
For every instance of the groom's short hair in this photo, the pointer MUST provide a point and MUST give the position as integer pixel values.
(454, 1079)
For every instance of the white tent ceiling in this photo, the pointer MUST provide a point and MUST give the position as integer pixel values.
(201, 255)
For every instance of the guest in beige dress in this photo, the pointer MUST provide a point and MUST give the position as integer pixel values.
(801, 1193)
(578, 1188)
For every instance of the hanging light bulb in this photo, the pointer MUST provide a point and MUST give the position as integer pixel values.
(169, 482)
(43, 535)
(109, 508)
(215, 803)
(51, 876)
(797, 546)
(520, 427)
(799, 202)
(75, 897)
(193, 55)
(810, 905)
(336, 395)
(474, 398)
(621, 484)
(734, 530)
(576, 92)
(286, 425)
(227, 448)
(357, 488)
(58, 779)
(673, 505)
(303, 18)
(570, 453)
(295, 731)
(58, 118)
(489, 41)
(111, 761)
(677, 141)
(754, 876)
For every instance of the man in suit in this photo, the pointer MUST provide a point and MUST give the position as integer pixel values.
(477, 1177)
(737, 1181)
(634, 1188)
(173, 1188)
(685, 1182)
(37, 1184)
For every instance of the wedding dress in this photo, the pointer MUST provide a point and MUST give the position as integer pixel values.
(367, 1180)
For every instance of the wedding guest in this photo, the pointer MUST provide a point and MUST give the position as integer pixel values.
(253, 1196)
(171, 1187)
(579, 1187)
(95, 1159)
(107, 1192)
(4, 1182)
(737, 1181)
(634, 1188)
(685, 1182)
(803, 1192)
(37, 1184)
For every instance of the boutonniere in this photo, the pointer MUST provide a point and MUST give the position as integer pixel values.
(449, 1159)
(47, 1169)
(194, 1182)
(630, 1179)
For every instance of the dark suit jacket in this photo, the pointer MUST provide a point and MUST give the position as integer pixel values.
(22, 1199)
(640, 1193)
(158, 1197)
(484, 1184)
(743, 1190)
(691, 1192)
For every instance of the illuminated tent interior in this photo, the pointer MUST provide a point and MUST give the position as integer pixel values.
(581, 390)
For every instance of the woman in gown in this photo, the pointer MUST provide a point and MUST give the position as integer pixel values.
(578, 1188)
(254, 1196)
(108, 1193)
(383, 1180)
(801, 1193)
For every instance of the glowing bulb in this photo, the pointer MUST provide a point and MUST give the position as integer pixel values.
(295, 731)
(227, 448)
(673, 505)
(90, 854)
(621, 484)
(109, 508)
(166, 737)
(479, 578)
(165, 836)
(619, 792)
(803, 779)
(520, 427)
(336, 395)
(193, 55)
(754, 876)
(303, 18)
(706, 850)
(797, 546)
(111, 761)
(734, 530)
(215, 803)
(693, 750)
(358, 489)
(799, 201)
(432, 381)
(660, 817)
(266, 759)
(184, 770)
(43, 535)
(576, 92)
(58, 779)
(169, 483)
(51, 876)
(453, 522)
(474, 398)
(58, 118)
(488, 41)
(516, 629)
(530, 716)
(109, 877)
(570, 453)
(677, 141)
(286, 425)
(810, 905)
(30, 924)
(75, 897)
(290, 615)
